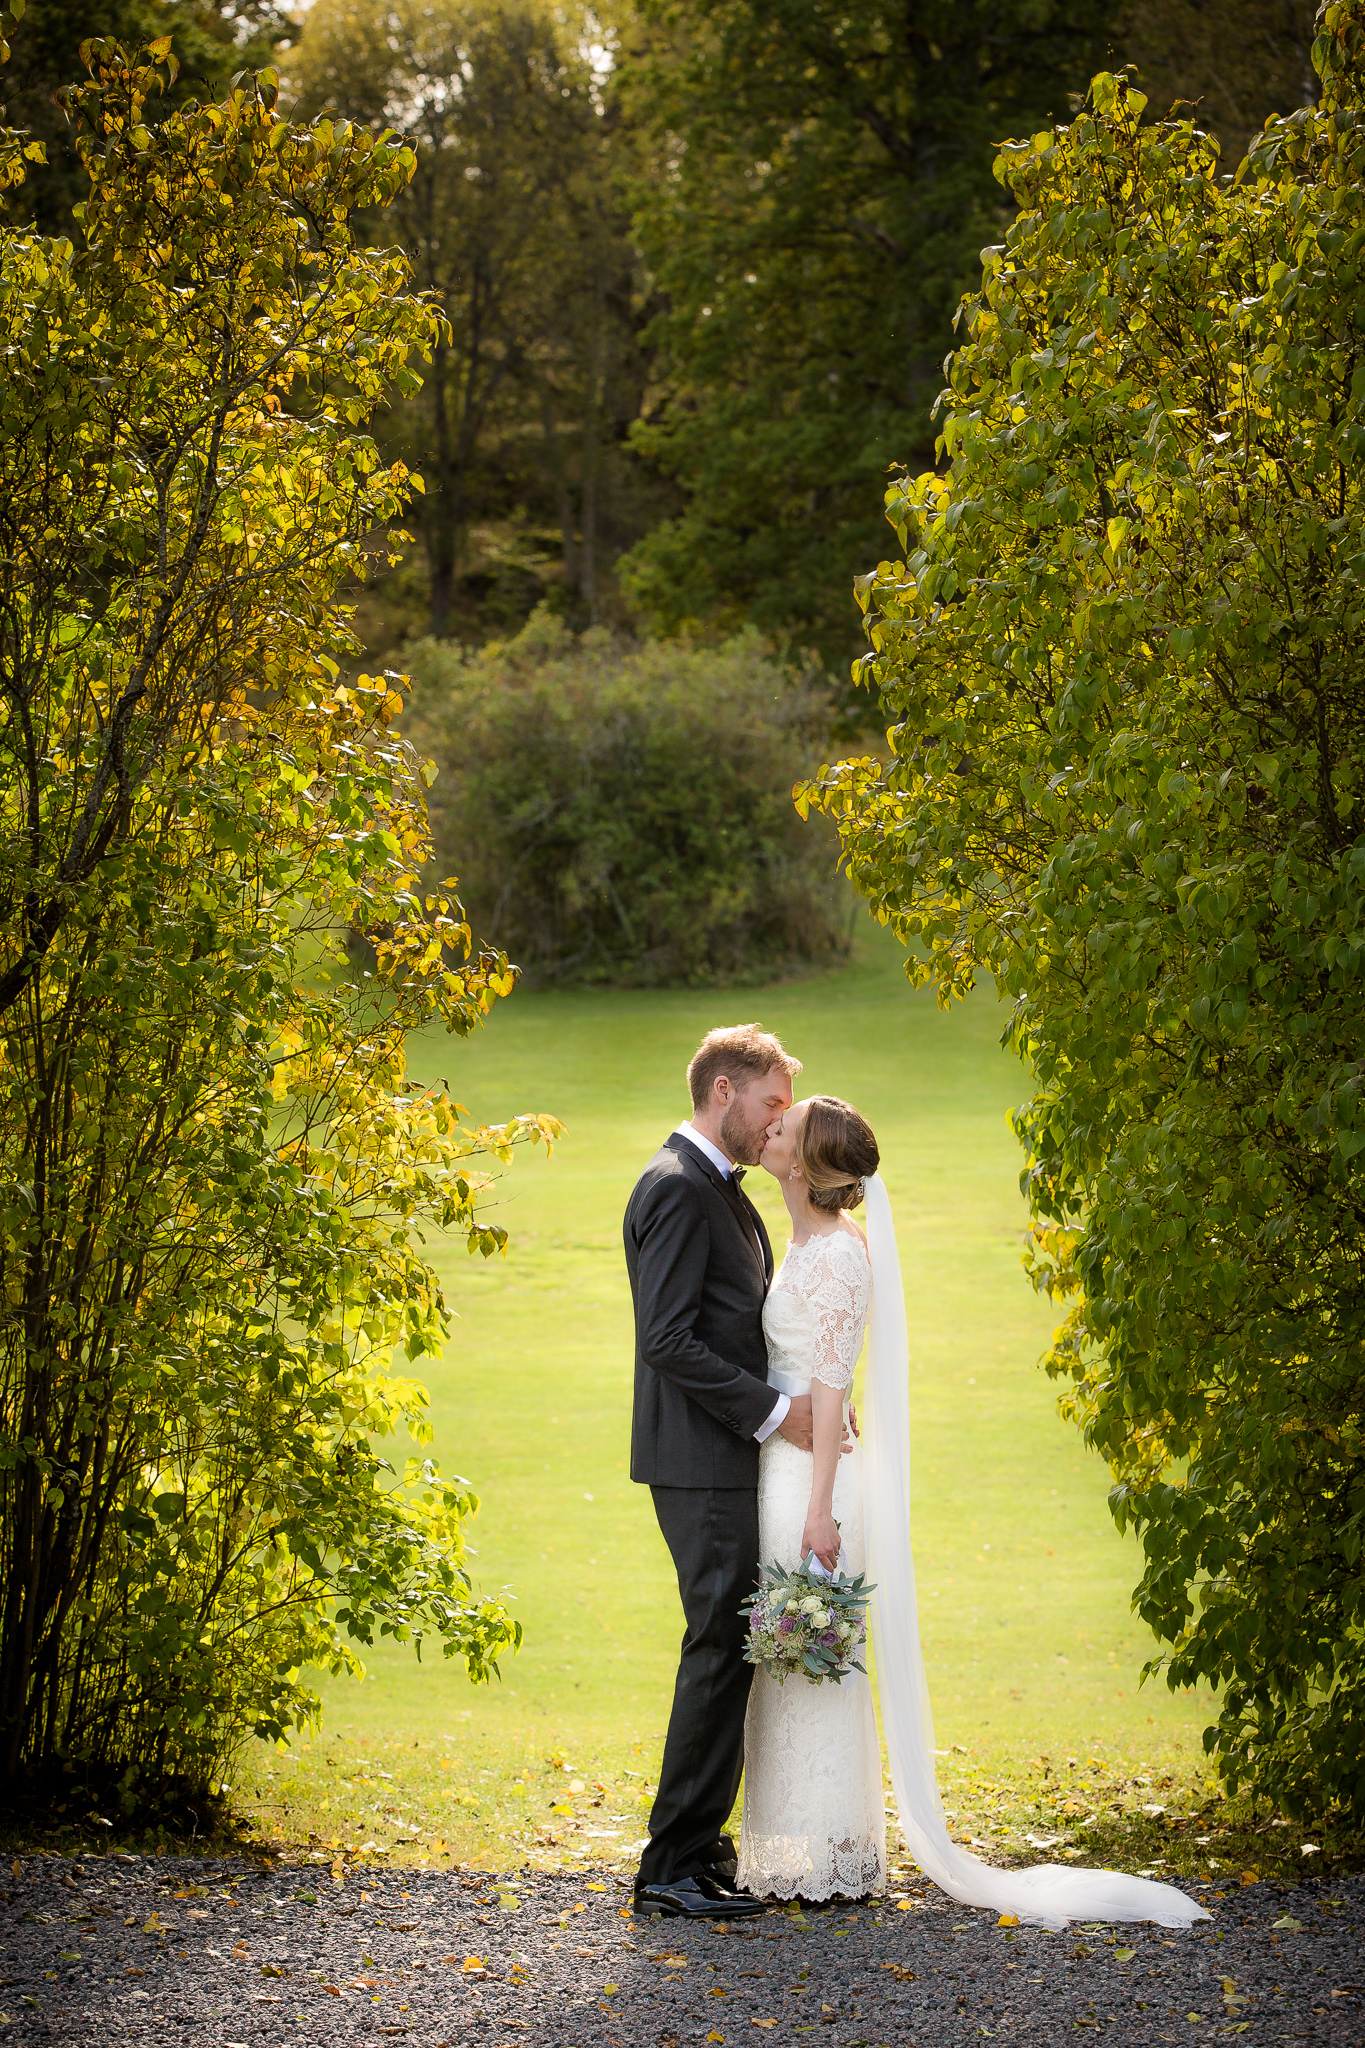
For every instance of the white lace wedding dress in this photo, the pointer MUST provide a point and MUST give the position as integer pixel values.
(813, 1814)
(814, 1822)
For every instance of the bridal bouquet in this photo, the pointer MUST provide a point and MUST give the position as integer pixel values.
(807, 1623)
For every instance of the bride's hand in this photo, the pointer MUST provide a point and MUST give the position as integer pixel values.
(821, 1535)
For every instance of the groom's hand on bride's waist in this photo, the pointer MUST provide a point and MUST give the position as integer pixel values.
(795, 1425)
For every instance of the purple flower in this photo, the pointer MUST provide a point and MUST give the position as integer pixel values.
(786, 1625)
(830, 1639)
(755, 1623)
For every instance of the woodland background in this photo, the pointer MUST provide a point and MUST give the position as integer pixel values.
(700, 261)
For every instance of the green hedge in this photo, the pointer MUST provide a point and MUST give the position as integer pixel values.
(624, 814)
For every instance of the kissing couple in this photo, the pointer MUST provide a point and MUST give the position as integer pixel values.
(744, 1434)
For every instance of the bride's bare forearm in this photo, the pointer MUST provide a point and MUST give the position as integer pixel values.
(827, 1429)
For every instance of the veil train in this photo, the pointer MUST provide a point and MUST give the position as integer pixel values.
(1048, 1894)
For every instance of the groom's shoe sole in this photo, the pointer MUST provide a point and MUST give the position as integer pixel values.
(695, 1898)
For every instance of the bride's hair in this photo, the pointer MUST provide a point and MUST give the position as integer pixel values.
(836, 1152)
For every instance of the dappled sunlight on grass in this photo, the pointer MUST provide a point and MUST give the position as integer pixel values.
(476, 1803)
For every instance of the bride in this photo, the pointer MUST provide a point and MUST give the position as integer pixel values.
(814, 1821)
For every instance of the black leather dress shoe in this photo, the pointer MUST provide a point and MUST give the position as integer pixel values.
(702, 1897)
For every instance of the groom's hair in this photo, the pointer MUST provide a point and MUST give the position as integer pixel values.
(744, 1052)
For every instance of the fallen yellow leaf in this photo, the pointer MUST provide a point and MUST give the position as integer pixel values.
(1008, 1920)
(763, 2023)
(472, 1965)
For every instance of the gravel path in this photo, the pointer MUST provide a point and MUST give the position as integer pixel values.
(144, 1952)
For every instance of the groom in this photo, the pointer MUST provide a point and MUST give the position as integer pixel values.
(700, 1265)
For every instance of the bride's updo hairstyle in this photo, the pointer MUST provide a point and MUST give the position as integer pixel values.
(836, 1152)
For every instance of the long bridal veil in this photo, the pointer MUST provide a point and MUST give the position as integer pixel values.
(1049, 1894)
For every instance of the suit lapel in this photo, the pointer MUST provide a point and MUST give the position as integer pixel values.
(753, 1229)
(740, 1206)
(760, 1233)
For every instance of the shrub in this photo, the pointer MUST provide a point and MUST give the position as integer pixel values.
(1122, 657)
(213, 1168)
(620, 814)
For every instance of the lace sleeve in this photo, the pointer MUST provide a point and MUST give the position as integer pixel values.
(837, 1282)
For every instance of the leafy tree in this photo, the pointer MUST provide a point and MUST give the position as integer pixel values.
(209, 38)
(512, 227)
(213, 1162)
(818, 192)
(1121, 660)
(1238, 60)
(621, 814)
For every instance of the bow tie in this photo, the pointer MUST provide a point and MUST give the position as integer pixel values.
(736, 1175)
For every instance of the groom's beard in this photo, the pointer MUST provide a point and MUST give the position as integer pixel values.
(743, 1142)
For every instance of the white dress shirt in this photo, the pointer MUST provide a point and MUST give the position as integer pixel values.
(725, 1167)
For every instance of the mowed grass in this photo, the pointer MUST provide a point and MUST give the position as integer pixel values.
(1032, 1653)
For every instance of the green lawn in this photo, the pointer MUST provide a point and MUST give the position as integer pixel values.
(1028, 1638)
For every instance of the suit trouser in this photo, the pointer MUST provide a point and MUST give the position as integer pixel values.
(712, 1534)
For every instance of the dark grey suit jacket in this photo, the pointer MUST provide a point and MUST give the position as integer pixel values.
(700, 1263)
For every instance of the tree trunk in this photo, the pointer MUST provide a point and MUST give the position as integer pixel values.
(591, 439)
(442, 508)
(563, 495)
